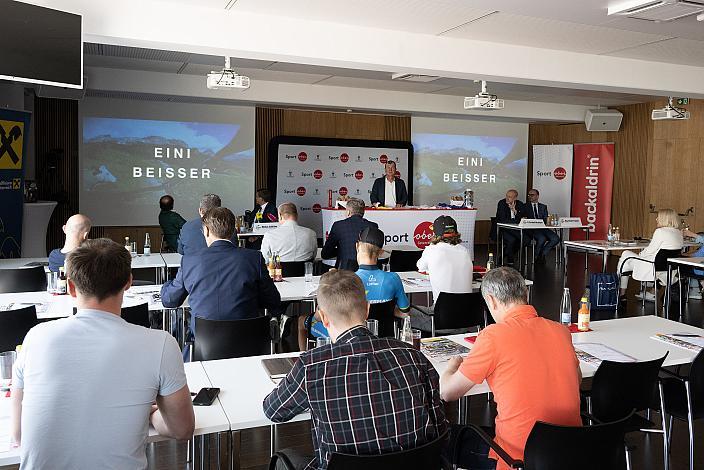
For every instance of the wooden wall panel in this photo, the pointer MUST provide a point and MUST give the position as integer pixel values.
(269, 123)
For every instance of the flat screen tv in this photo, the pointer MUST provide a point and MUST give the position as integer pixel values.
(40, 45)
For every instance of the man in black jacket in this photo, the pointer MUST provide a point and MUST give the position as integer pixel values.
(388, 190)
(344, 235)
(510, 211)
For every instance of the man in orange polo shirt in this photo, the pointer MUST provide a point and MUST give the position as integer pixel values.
(529, 364)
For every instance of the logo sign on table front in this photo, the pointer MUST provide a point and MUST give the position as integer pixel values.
(423, 234)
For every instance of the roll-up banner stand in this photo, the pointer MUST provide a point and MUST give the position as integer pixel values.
(592, 188)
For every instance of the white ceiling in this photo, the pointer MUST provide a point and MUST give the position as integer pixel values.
(132, 58)
(573, 25)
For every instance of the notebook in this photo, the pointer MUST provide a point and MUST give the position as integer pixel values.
(278, 367)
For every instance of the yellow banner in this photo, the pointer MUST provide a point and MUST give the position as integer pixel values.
(11, 139)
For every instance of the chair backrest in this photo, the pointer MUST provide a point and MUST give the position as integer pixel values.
(552, 447)
(404, 260)
(454, 311)
(14, 325)
(426, 456)
(384, 314)
(224, 339)
(620, 387)
(137, 315)
(293, 268)
(696, 383)
(492, 229)
(22, 280)
(661, 258)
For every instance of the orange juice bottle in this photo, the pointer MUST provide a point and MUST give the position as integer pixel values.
(583, 315)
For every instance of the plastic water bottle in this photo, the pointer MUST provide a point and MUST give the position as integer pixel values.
(147, 246)
(566, 308)
(406, 332)
(490, 262)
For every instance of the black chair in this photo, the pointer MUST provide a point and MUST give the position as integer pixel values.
(684, 399)
(384, 314)
(293, 268)
(659, 265)
(492, 230)
(224, 339)
(621, 387)
(14, 325)
(31, 279)
(553, 447)
(404, 260)
(137, 315)
(427, 457)
(457, 311)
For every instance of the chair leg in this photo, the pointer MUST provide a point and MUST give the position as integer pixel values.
(690, 424)
(665, 435)
(629, 465)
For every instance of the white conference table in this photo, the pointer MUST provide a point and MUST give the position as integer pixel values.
(560, 228)
(605, 247)
(209, 419)
(693, 262)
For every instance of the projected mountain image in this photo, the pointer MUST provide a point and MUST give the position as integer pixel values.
(137, 161)
(446, 165)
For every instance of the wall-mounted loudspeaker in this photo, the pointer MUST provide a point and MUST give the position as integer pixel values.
(603, 120)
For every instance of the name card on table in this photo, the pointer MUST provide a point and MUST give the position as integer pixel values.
(568, 222)
(531, 223)
(265, 225)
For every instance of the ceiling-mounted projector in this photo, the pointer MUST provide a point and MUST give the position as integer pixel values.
(669, 112)
(483, 101)
(227, 78)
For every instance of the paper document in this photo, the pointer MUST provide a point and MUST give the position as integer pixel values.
(683, 340)
(594, 353)
(416, 282)
(311, 288)
(442, 349)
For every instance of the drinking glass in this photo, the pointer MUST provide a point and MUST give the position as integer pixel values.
(416, 338)
(133, 249)
(309, 271)
(373, 326)
(322, 342)
(52, 279)
(387, 266)
(7, 360)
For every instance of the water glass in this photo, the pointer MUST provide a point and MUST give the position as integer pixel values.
(133, 249)
(373, 326)
(322, 342)
(416, 338)
(52, 281)
(387, 266)
(308, 271)
(7, 360)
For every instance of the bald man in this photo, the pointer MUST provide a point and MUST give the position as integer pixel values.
(76, 230)
(509, 211)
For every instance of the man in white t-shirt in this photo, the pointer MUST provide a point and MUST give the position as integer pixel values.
(291, 241)
(84, 387)
(448, 264)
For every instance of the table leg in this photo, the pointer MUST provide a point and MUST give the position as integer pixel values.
(234, 448)
(273, 439)
(202, 452)
(604, 258)
(499, 242)
(666, 307)
(679, 285)
(463, 408)
(520, 250)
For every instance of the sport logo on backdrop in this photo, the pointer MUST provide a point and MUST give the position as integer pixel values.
(559, 173)
(343, 191)
(302, 156)
(423, 234)
(301, 191)
(316, 208)
(383, 159)
(359, 174)
(344, 158)
(317, 174)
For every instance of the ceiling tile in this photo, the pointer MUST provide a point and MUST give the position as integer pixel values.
(675, 51)
(391, 85)
(131, 64)
(259, 74)
(551, 34)
(342, 72)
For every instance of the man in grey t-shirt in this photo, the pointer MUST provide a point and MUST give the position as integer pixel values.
(84, 387)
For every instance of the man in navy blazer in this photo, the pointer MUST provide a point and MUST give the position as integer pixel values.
(191, 239)
(510, 211)
(545, 239)
(222, 282)
(389, 185)
(344, 235)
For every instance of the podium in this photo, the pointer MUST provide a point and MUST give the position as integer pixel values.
(35, 220)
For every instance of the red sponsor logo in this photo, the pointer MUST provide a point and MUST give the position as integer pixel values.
(344, 158)
(423, 234)
(397, 174)
(301, 191)
(383, 159)
(559, 173)
(316, 208)
(317, 174)
(359, 174)
(303, 156)
(343, 191)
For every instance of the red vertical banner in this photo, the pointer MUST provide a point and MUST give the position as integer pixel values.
(592, 185)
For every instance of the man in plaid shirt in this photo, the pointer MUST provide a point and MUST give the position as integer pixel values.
(366, 395)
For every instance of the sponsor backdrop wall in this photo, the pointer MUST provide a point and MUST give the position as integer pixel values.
(552, 176)
(134, 152)
(592, 187)
(306, 169)
(452, 155)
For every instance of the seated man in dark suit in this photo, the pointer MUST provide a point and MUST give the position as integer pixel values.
(388, 190)
(170, 222)
(222, 282)
(191, 239)
(344, 235)
(510, 211)
(264, 209)
(545, 239)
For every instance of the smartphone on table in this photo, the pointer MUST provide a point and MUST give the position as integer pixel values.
(206, 396)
